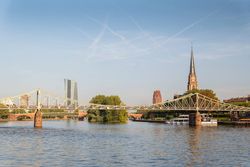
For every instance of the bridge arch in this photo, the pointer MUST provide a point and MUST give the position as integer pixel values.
(15, 117)
(135, 116)
(22, 117)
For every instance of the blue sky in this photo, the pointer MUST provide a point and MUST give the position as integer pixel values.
(127, 48)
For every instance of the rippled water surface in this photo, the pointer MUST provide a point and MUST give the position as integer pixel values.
(73, 143)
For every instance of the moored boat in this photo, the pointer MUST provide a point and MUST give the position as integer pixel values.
(181, 120)
(207, 120)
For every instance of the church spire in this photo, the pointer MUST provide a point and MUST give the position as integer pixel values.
(192, 66)
(192, 79)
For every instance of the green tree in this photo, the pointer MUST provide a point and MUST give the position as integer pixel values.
(99, 99)
(114, 100)
(107, 116)
(4, 111)
(2, 105)
(106, 100)
(206, 92)
(244, 104)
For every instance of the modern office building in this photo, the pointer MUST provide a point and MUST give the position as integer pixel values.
(24, 101)
(71, 93)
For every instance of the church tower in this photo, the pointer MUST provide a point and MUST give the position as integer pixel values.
(192, 79)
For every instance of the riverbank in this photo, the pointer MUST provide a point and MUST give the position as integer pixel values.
(225, 123)
(234, 123)
(150, 121)
(44, 119)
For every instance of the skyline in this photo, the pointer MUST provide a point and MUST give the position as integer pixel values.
(124, 48)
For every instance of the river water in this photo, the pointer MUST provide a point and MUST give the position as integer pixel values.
(75, 143)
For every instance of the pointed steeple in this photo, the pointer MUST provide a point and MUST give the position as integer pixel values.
(192, 65)
(192, 79)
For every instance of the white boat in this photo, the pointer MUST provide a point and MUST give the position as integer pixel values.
(181, 120)
(207, 120)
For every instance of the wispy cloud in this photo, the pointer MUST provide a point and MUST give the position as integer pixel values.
(188, 27)
(123, 41)
(146, 34)
(108, 28)
(216, 50)
(83, 33)
(112, 44)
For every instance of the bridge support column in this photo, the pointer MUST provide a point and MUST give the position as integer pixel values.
(38, 119)
(195, 119)
(234, 115)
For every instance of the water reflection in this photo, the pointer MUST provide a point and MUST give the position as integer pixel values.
(194, 146)
(73, 143)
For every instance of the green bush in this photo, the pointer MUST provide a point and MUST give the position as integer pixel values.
(18, 111)
(244, 104)
(4, 114)
(108, 116)
(106, 100)
(52, 110)
(206, 92)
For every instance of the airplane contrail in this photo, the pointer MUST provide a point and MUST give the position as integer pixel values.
(108, 28)
(142, 30)
(184, 30)
(98, 38)
(82, 32)
(118, 35)
(94, 44)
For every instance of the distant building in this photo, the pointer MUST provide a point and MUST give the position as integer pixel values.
(192, 78)
(24, 101)
(238, 99)
(71, 93)
(157, 97)
(7, 102)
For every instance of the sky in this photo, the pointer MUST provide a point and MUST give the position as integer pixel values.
(128, 48)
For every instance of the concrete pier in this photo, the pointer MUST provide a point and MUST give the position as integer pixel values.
(38, 119)
(195, 119)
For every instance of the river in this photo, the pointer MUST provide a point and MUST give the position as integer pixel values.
(76, 143)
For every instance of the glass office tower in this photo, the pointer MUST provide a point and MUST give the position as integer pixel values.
(71, 93)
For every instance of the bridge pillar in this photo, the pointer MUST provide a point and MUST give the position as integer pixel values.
(195, 119)
(12, 117)
(234, 115)
(38, 119)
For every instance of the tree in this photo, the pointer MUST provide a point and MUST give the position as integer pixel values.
(99, 99)
(106, 100)
(206, 92)
(4, 112)
(114, 100)
(244, 104)
(107, 115)
(2, 105)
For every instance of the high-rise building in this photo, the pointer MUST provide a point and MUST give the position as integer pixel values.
(71, 93)
(157, 97)
(192, 79)
(24, 101)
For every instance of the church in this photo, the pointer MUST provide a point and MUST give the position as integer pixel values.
(192, 78)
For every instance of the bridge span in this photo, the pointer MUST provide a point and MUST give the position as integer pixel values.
(191, 103)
